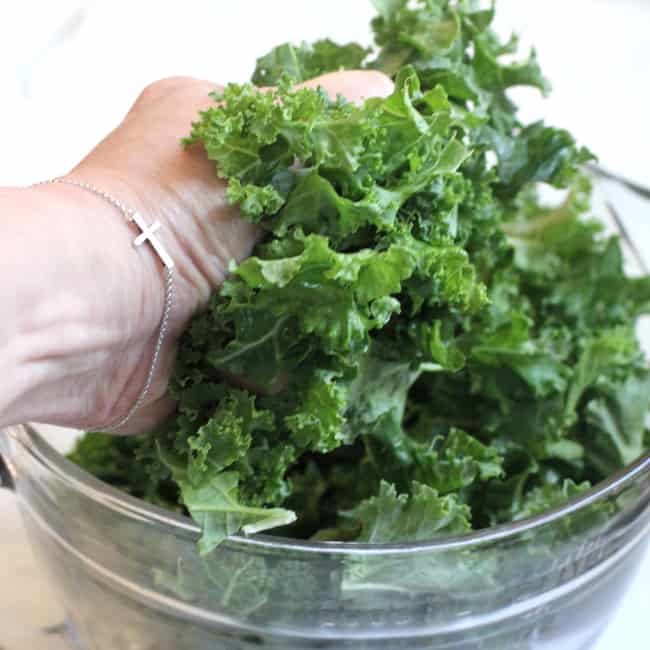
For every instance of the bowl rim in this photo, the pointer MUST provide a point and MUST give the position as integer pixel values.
(93, 488)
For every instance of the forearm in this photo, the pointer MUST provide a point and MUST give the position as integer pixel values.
(60, 297)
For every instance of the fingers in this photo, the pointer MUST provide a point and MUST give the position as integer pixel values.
(188, 94)
(192, 95)
(169, 85)
(354, 85)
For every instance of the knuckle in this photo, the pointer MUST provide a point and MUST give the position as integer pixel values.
(161, 86)
(177, 83)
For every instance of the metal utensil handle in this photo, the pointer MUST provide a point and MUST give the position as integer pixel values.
(6, 477)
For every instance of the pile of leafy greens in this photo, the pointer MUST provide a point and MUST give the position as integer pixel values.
(418, 346)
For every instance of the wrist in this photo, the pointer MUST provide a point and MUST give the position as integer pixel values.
(79, 293)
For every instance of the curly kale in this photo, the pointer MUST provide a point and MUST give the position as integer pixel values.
(417, 346)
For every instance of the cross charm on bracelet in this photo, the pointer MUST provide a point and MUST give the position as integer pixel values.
(147, 234)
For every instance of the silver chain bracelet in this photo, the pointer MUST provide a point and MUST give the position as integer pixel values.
(147, 234)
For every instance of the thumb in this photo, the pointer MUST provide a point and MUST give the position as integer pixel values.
(354, 85)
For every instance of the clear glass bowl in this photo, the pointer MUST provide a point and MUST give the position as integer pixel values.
(130, 577)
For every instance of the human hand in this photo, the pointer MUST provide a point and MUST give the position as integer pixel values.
(144, 165)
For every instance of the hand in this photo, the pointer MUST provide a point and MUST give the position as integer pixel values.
(144, 165)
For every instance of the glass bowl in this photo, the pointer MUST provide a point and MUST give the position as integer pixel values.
(130, 577)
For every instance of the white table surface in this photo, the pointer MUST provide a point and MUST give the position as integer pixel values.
(71, 69)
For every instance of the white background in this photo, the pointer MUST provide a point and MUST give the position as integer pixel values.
(70, 70)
